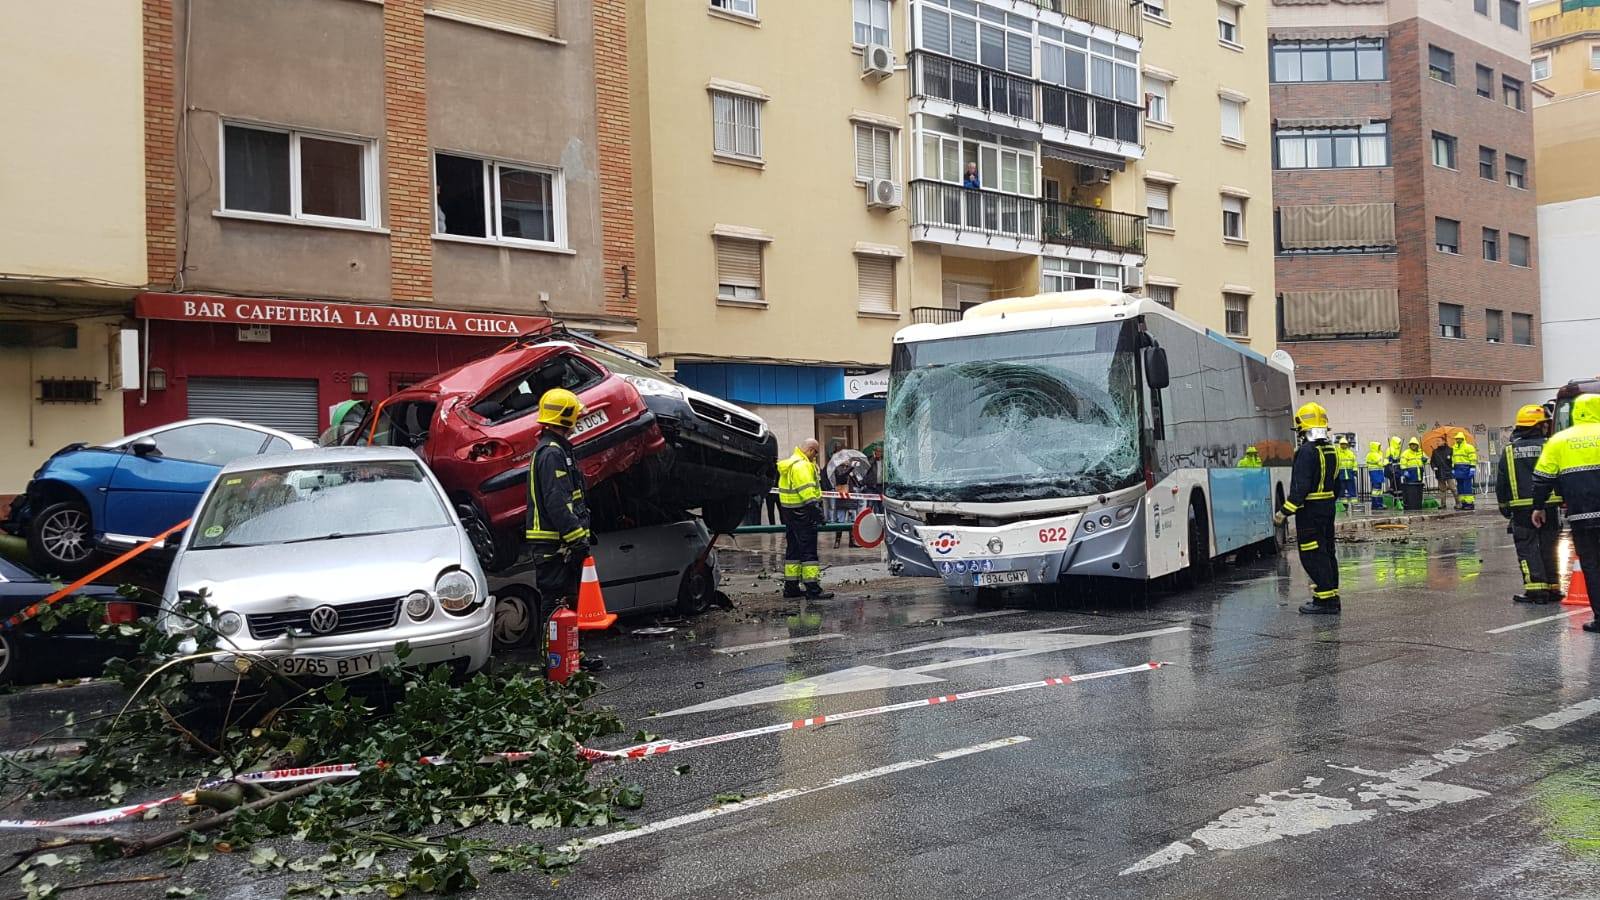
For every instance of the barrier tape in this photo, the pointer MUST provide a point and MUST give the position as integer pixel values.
(32, 611)
(640, 751)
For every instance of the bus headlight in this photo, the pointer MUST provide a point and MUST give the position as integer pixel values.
(1126, 512)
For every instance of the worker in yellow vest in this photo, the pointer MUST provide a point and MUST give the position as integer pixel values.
(1250, 460)
(800, 499)
(1375, 464)
(1347, 468)
(1464, 457)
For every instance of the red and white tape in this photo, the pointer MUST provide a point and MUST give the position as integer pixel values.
(640, 751)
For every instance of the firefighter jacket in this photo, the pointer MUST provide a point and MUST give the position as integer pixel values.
(1347, 459)
(1514, 478)
(1570, 465)
(558, 514)
(1464, 454)
(797, 481)
(1311, 480)
(1412, 462)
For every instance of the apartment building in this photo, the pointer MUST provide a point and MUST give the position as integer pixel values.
(72, 245)
(348, 196)
(1403, 192)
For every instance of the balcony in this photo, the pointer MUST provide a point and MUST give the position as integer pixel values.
(1057, 114)
(934, 315)
(1118, 15)
(949, 213)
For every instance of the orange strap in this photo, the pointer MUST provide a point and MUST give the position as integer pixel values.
(33, 611)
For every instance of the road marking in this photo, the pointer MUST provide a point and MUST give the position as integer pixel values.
(1565, 615)
(946, 620)
(783, 642)
(617, 837)
(1282, 814)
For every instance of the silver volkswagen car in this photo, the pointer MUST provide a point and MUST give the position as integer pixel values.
(316, 563)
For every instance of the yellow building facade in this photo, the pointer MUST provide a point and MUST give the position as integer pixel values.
(1565, 38)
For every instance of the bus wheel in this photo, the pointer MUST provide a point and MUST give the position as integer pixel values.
(1199, 544)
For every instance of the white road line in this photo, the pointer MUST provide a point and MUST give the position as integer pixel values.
(783, 642)
(617, 837)
(946, 620)
(1566, 615)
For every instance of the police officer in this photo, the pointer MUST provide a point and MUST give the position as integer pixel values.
(1310, 501)
(1250, 460)
(1513, 491)
(1464, 457)
(558, 515)
(1375, 465)
(1570, 465)
(800, 498)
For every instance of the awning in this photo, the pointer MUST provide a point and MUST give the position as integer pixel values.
(1323, 314)
(1083, 157)
(1333, 226)
(1324, 122)
(1327, 33)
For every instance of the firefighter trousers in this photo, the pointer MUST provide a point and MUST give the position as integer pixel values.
(1313, 528)
(800, 543)
(1536, 554)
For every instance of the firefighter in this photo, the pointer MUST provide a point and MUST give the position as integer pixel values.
(1375, 464)
(1347, 468)
(1570, 465)
(1513, 492)
(800, 498)
(558, 533)
(1250, 460)
(1464, 457)
(1310, 501)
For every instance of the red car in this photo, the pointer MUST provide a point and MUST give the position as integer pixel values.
(475, 426)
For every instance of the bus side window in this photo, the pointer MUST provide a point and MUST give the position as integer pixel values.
(1158, 418)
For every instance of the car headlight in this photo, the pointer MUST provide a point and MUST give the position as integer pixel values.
(229, 623)
(455, 590)
(419, 604)
(653, 386)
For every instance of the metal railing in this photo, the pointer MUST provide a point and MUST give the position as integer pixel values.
(934, 315)
(994, 214)
(967, 84)
(1118, 15)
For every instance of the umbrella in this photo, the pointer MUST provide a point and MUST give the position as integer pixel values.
(875, 445)
(854, 460)
(1444, 434)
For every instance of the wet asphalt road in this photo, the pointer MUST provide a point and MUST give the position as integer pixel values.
(1413, 747)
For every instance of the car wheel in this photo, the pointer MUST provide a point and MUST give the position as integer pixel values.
(481, 535)
(9, 661)
(697, 593)
(61, 538)
(516, 618)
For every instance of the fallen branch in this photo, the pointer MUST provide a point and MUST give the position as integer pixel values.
(142, 846)
(132, 879)
(193, 739)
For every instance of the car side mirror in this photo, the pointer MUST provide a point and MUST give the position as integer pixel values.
(1155, 368)
(146, 447)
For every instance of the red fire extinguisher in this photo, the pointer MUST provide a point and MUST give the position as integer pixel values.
(563, 645)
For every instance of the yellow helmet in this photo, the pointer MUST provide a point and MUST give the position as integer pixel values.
(1250, 450)
(1532, 414)
(1311, 415)
(560, 407)
(1343, 440)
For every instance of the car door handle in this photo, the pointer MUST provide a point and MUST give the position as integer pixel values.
(625, 548)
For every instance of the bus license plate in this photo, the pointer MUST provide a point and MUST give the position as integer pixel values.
(986, 579)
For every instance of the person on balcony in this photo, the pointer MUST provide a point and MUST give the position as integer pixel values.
(971, 179)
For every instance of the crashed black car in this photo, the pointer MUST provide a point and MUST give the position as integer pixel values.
(29, 654)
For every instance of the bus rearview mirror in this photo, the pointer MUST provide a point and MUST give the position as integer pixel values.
(1155, 368)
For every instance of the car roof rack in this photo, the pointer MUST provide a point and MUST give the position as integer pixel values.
(558, 331)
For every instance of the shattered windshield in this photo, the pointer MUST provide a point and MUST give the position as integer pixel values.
(1016, 416)
(303, 503)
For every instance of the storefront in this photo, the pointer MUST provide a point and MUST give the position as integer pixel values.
(285, 363)
(841, 407)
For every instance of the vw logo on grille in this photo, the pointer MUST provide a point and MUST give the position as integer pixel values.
(324, 619)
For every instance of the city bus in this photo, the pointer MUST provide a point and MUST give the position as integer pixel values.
(1086, 433)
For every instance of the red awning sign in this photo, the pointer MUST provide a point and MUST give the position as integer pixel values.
(313, 314)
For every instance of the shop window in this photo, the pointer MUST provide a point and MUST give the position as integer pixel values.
(495, 201)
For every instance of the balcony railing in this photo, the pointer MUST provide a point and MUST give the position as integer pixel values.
(934, 315)
(1119, 15)
(993, 214)
(967, 84)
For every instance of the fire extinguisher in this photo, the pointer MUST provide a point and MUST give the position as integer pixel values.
(563, 645)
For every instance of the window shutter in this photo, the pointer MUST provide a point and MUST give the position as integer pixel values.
(537, 16)
(1157, 196)
(1325, 314)
(1233, 205)
(882, 153)
(875, 274)
(863, 152)
(1337, 225)
(739, 262)
(1232, 124)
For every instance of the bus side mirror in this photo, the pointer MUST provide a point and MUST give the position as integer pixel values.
(1155, 368)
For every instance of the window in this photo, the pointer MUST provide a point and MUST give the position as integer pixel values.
(1155, 101)
(1164, 294)
(1481, 7)
(1518, 250)
(1486, 160)
(874, 153)
(1446, 235)
(209, 443)
(1227, 22)
(1494, 326)
(1083, 64)
(742, 7)
(739, 270)
(1158, 204)
(1157, 8)
(533, 16)
(1594, 56)
(1232, 119)
(1441, 64)
(1236, 315)
(1485, 82)
(1332, 148)
(1078, 275)
(1522, 329)
(69, 390)
(999, 41)
(1491, 244)
(736, 125)
(1511, 89)
(1516, 171)
(1444, 150)
(1349, 60)
(1541, 68)
(1233, 217)
(1511, 14)
(872, 22)
(875, 280)
(1450, 321)
(297, 175)
(497, 201)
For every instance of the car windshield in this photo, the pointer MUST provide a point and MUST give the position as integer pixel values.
(1015, 416)
(305, 503)
(625, 367)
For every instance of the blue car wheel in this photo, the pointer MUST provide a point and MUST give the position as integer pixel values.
(61, 538)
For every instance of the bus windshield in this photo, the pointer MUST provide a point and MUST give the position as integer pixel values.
(1020, 415)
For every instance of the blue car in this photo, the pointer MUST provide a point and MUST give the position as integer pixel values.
(114, 496)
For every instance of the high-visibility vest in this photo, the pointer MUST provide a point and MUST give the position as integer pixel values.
(1464, 454)
(1570, 464)
(797, 481)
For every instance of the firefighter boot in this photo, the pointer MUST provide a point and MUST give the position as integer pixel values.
(1321, 608)
(814, 591)
(791, 590)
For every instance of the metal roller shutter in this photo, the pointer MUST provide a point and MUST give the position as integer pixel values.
(537, 16)
(287, 404)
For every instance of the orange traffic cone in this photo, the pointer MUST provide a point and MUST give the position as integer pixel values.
(1577, 586)
(592, 615)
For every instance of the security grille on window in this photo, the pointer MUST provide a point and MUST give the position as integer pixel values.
(1333, 148)
(1511, 14)
(872, 22)
(1494, 330)
(1078, 275)
(498, 201)
(1359, 59)
(1156, 101)
(1095, 67)
(875, 282)
(1444, 150)
(1447, 235)
(1450, 321)
(279, 172)
(1516, 171)
(742, 7)
(874, 153)
(1485, 82)
(1517, 250)
(1232, 119)
(1158, 204)
(736, 125)
(1164, 294)
(1486, 163)
(69, 390)
(1521, 329)
(1236, 315)
(1227, 22)
(1441, 64)
(1001, 41)
(739, 270)
(1491, 244)
(1233, 217)
(1511, 88)
(1541, 68)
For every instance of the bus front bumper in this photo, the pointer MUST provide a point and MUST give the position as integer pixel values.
(1038, 551)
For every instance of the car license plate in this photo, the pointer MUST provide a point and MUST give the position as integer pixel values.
(328, 667)
(591, 421)
(985, 579)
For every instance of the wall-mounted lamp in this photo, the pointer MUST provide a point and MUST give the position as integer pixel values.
(156, 379)
(358, 383)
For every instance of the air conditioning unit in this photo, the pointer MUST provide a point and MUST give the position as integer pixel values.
(877, 61)
(1093, 175)
(1133, 278)
(882, 193)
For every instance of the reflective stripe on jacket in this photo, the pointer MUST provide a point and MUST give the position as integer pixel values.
(1514, 479)
(557, 511)
(1347, 459)
(1315, 465)
(1570, 463)
(797, 481)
